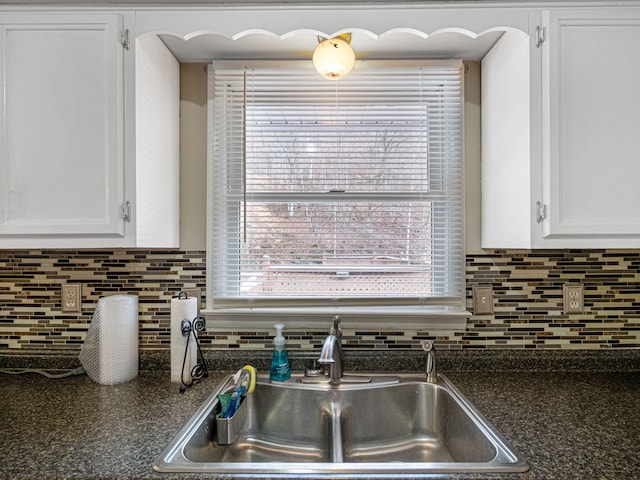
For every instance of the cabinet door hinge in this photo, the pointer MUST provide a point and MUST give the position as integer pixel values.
(539, 36)
(125, 211)
(124, 38)
(541, 211)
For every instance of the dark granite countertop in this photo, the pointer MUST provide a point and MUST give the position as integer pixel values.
(568, 424)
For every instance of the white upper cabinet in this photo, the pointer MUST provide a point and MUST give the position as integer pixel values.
(561, 157)
(67, 136)
(62, 130)
(591, 126)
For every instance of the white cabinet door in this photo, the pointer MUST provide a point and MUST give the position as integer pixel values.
(61, 130)
(591, 126)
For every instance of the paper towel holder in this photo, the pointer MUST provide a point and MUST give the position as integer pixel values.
(200, 370)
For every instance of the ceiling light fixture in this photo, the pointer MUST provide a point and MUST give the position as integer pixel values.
(333, 58)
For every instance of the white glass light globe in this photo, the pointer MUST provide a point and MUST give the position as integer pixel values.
(333, 58)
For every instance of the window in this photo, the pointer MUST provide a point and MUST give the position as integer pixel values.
(339, 196)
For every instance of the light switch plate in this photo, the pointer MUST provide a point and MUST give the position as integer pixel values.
(482, 300)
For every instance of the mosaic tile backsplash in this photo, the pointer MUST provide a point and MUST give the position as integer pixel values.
(527, 288)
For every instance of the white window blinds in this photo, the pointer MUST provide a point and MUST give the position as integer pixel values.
(336, 193)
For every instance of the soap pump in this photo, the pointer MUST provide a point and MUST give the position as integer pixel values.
(280, 370)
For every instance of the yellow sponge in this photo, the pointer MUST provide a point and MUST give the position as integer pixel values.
(252, 379)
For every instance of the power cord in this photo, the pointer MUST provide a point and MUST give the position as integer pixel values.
(200, 370)
(70, 373)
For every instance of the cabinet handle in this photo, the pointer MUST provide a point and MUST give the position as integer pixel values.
(125, 211)
(539, 36)
(541, 211)
(124, 38)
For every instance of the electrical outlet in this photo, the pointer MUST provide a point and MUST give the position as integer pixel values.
(482, 300)
(71, 298)
(573, 298)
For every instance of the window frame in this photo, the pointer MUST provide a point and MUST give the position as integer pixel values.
(430, 313)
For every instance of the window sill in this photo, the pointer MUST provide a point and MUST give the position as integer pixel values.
(434, 318)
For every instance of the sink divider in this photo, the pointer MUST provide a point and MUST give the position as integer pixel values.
(337, 455)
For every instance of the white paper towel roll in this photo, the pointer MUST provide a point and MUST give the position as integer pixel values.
(182, 309)
(110, 351)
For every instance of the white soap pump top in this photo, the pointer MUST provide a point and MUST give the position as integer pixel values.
(278, 340)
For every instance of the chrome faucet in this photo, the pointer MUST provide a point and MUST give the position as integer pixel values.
(432, 374)
(331, 353)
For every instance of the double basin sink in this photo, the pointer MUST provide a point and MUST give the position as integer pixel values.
(400, 425)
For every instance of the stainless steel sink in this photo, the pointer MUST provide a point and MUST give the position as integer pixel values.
(392, 425)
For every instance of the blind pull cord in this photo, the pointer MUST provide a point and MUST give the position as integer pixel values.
(244, 158)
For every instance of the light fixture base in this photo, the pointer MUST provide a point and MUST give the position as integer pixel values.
(344, 36)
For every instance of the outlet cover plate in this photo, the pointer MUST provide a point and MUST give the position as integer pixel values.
(71, 298)
(482, 300)
(573, 298)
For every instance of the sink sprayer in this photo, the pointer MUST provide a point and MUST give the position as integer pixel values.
(430, 365)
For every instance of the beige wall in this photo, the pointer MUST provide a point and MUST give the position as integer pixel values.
(193, 156)
(472, 157)
(193, 152)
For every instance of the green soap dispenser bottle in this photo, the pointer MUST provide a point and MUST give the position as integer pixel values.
(280, 370)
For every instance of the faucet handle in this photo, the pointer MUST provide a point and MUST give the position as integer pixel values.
(335, 330)
(314, 370)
